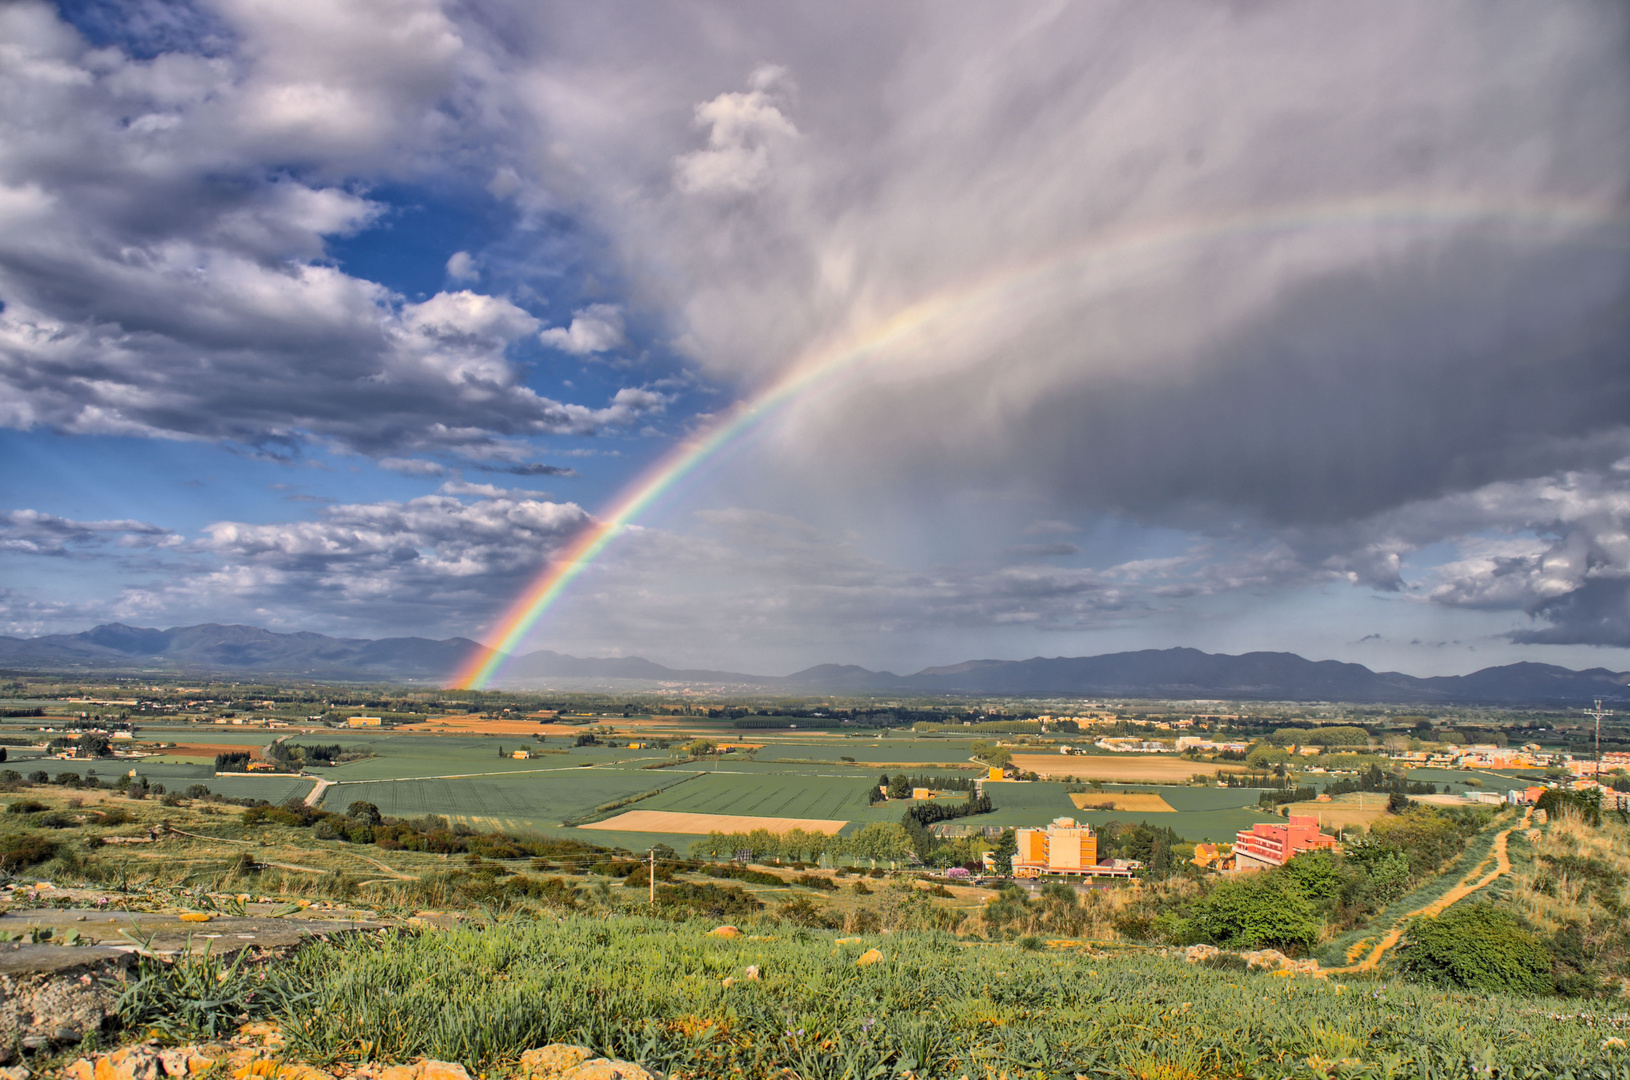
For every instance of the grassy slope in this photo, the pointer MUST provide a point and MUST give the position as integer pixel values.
(654, 992)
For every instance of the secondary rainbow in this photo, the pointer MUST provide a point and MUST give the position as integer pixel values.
(823, 365)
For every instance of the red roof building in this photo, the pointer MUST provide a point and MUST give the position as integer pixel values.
(1272, 844)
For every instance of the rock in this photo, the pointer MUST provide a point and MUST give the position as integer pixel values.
(130, 1063)
(269, 1069)
(868, 958)
(724, 932)
(606, 1069)
(549, 1062)
(65, 1036)
(185, 1061)
(14, 1072)
(428, 1069)
(33, 1044)
(1194, 954)
(1267, 959)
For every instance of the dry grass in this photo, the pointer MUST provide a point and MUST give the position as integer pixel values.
(1152, 768)
(1344, 811)
(669, 821)
(1552, 900)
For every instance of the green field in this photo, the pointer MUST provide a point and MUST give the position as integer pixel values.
(531, 802)
(1202, 813)
(787, 795)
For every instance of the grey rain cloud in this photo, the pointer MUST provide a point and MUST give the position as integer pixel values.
(1274, 276)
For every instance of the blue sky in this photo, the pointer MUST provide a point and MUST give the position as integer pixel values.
(1273, 328)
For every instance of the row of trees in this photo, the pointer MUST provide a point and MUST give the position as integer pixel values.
(876, 842)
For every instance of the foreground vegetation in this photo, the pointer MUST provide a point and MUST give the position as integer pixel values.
(697, 1005)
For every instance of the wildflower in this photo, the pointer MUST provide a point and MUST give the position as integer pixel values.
(1612, 1042)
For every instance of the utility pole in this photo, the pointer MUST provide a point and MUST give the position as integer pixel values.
(1598, 713)
(653, 877)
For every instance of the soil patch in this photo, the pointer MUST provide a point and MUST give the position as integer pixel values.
(1126, 804)
(669, 821)
(1154, 768)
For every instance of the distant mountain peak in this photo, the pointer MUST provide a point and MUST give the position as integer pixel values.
(1176, 673)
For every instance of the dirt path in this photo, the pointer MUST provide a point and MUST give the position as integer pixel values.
(1502, 866)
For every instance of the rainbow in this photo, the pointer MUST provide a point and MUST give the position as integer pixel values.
(823, 365)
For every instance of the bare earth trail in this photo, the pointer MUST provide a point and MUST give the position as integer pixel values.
(1502, 866)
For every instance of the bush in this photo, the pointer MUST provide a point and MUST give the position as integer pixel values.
(19, 852)
(26, 806)
(712, 901)
(1476, 947)
(801, 911)
(812, 881)
(1262, 911)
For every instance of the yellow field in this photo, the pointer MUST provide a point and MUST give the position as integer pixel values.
(1127, 804)
(671, 821)
(1153, 768)
(1345, 810)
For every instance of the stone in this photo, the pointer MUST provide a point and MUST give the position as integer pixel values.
(724, 932)
(184, 1061)
(868, 958)
(130, 1063)
(271, 1069)
(14, 1072)
(605, 1069)
(442, 1070)
(549, 1062)
(65, 1035)
(1194, 954)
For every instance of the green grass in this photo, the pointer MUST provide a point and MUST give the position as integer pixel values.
(1202, 813)
(788, 795)
(530, 802)
(1334, 952)
(648, 991)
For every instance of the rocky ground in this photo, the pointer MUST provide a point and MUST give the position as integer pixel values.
(253, 1054)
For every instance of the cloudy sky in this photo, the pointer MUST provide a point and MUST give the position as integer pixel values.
(1236, 326)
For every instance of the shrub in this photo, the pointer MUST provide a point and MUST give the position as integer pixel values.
(1476, 947)
(802, 911)
(713, 901)
(25, 850)
(813, 881)
(1262, 911)
(26, 806)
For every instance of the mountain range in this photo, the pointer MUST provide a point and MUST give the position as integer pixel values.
(248, 651)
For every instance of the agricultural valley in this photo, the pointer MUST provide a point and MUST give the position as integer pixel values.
(330, 879)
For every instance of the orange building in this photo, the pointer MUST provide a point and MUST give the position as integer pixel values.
(1061, 848)
(1272, 844)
